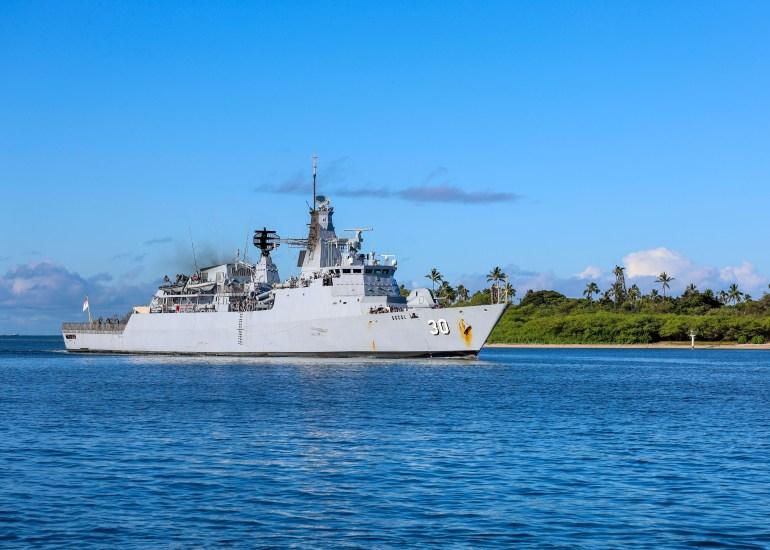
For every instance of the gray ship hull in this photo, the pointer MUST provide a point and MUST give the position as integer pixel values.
(412, 332)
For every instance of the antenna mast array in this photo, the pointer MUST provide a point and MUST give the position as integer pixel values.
(315, 170)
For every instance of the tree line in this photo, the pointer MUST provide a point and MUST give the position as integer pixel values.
(620, 315)
(619, 296)
(616, 297)
(499, 291)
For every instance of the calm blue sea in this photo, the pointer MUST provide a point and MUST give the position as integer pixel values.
(541, 448)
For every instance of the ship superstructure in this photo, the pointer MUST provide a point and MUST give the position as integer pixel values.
(343, 302)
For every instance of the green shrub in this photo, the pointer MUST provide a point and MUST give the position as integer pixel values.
(543, 298)
(551, 318)
(758, 340)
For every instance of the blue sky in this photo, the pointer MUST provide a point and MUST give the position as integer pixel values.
(555, 139)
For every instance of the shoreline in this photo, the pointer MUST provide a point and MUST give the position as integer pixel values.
(657, 345)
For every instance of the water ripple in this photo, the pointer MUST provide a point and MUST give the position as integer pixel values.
(538, 448)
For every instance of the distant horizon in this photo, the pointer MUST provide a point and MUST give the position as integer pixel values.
(30, 335)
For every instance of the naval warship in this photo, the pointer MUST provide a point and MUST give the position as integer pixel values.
(342, 303)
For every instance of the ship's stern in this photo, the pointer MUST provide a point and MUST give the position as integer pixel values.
(93, 337)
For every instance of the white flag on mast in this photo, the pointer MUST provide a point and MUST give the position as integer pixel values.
(85, 304)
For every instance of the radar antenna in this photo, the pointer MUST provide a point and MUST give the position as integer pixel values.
(355, 242)
(266, 240)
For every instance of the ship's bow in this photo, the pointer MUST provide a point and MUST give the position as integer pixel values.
(460, 331)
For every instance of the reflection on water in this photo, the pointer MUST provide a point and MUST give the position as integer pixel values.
(527, 447)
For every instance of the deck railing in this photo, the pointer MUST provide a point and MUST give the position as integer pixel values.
(94, 326)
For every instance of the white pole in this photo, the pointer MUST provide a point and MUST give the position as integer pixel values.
(506, 290)
(89, 310)
(315, 169)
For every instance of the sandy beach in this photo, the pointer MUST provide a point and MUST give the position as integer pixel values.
(657, 345)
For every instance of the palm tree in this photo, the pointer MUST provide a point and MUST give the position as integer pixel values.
(654, 295)
(510, 292)
(664, 279)
(435, 277)
(495, 276)
(734, 294)
(690, 289)
(606, 297)
(619, 291)
(634, 293)
(446, 292)
(462, 293)
(591, 289)
(723, 296)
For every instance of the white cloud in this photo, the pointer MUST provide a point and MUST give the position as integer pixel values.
(744, 275)
(19, 286)
(651, 263)
(50, 293)
(642, 268)
(590, 272)
(646, 264)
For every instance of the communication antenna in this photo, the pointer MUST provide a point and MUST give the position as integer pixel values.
(315, 170)
(358, 231)
(246, 246)
(192, 244)
(355, 242)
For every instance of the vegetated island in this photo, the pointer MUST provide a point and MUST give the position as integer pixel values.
(621, 316)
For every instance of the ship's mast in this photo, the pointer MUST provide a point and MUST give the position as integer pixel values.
(315, 167)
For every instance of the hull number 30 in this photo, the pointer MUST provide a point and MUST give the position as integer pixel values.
(438, 327)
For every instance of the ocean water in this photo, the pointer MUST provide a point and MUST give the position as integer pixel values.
(532, 448)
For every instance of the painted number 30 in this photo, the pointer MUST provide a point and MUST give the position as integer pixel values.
(438, 327)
